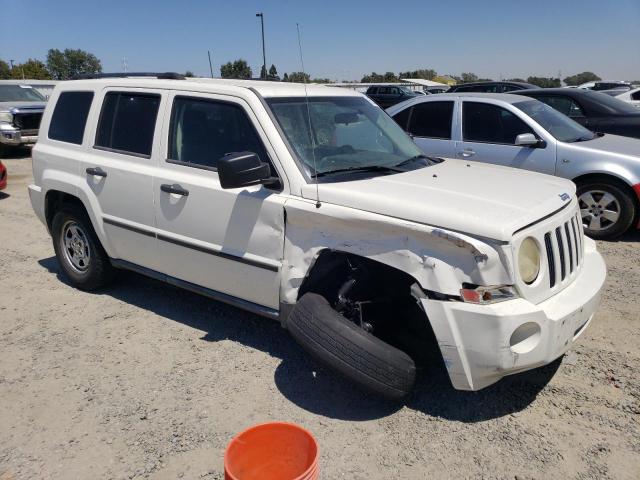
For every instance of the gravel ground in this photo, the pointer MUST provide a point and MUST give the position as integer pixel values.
(146, 381)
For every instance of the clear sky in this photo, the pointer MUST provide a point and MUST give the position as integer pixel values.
(341, 39)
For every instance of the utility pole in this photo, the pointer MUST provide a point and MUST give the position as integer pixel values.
(264, 56)
(210, 66)
(124, 64)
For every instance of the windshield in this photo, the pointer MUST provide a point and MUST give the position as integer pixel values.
(346, 134)
(406, 91)
(19, 93)
(554, 122)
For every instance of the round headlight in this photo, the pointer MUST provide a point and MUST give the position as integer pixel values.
(529, 260)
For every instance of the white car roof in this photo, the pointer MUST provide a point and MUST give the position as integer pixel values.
(214, 85)
(502, 97)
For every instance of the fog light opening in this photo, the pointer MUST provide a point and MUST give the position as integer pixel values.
(525, 338)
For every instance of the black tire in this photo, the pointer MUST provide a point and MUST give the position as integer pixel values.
(626, 207)
(98, 270)
(344, 347)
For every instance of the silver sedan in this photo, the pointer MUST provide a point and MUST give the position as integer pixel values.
(524, 133)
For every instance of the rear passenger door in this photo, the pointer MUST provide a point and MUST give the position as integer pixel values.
(488, 135)
(118, 169)
(229, 241)
(431, 125)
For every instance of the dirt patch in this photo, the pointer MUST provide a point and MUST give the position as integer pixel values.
(146, 381)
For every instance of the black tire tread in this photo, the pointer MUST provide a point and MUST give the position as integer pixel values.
(346, 348)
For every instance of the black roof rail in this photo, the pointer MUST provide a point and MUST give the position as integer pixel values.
(161, 75)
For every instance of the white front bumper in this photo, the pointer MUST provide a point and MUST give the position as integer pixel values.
(481, 344)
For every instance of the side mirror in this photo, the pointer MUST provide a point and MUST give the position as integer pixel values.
(527, 140)
(243, 169)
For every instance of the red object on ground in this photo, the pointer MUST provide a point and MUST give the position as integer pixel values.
(272, 451)
(3, 176)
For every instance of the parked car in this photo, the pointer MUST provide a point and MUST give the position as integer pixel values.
(3, 176)
(21, 108)
(387, 95)
(594, 110)
(630, 96)
(515, 131)
(491, 87)
(308, 204)
(605, 85)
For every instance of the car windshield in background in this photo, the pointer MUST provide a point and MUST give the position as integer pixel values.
(614, 106)
(554, 122)
(406, 91)
(19, 93)
(347, 134)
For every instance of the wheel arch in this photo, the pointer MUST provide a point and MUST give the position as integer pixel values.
(611, 177)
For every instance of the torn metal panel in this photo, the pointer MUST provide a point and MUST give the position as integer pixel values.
(440, 261)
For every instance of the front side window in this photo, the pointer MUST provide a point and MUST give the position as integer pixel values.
(432, 119)
(20, 93)
(487, 123)
(70, 117)
(127, 122)
(203, 131)
(338, 133)
(554, 122)
(562, 104)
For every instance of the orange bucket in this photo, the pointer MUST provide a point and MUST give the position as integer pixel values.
(272, 451)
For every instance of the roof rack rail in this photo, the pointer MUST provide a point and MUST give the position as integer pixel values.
(161, 75)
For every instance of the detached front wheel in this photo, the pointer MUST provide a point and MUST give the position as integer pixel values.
(348, 349)
(80, 254)
(607, 211)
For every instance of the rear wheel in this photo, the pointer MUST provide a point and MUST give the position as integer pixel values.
(80, 254)
(607, 210)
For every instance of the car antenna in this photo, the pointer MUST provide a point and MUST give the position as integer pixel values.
(306, 97)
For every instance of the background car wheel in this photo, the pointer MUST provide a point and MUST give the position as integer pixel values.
(348, 349)
(80, 254)
(607, 211)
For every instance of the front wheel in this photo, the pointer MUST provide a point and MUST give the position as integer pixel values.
(78, 249)
(607, 210)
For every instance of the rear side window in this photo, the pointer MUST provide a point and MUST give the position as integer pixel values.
(402, 118)
(127, 122)
(203, 131)
(636, 95)
(563, 104)
(432, 119)
(483, 122)
(70, 117)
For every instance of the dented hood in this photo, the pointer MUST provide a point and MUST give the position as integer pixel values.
(469, 197)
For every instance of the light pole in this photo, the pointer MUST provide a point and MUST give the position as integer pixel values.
(264, 56)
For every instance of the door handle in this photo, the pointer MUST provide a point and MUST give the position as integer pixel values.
(175, 188)
(96, 172)
(466, 153)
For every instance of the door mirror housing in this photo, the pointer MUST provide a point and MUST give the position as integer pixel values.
(243, 169)
(527, 140)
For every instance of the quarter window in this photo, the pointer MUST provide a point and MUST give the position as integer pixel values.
(402, 118)
(483, 122)
(432, 119)
(127, 122)
(70, 117)
(203, 131)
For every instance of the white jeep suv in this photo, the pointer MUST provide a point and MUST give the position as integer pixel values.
(308, 204)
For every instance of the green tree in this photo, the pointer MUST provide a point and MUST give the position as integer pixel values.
(299, 77)
(285, 77)
(66, 65)
(426, 74)
(321, 80)
(468, 77)
(373, 77)
(273, 73)
(31, 69)
(544, 82)
(581, 78)
(515, 80)
(5, 70)
(263, 72)
(236, 69)
(188, 73)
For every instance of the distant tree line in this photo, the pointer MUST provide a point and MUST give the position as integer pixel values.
(240, 69)
(60, 65)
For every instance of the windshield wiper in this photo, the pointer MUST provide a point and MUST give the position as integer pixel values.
(430, 161)
(367, 168)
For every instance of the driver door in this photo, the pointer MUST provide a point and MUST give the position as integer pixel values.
(488, 135)
(229, 241)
